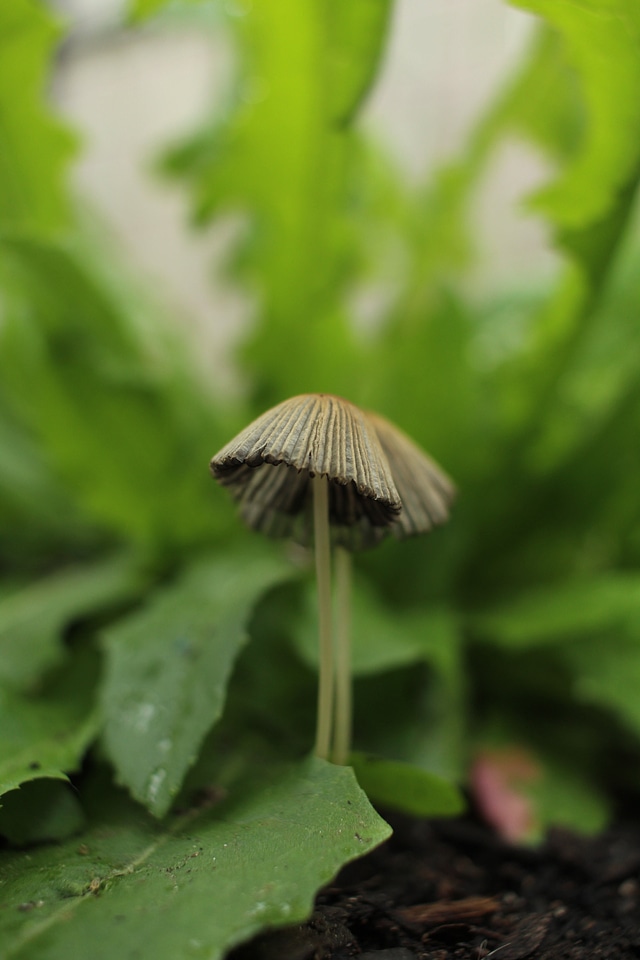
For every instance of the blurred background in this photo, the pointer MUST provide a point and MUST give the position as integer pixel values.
(131, 94)
(426, 207)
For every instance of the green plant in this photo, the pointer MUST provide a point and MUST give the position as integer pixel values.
(163, 659)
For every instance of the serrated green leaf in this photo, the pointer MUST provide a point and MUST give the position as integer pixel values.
(571, 609)
(406, 787)
(40, 811)
(278, 155)
(602, 40)
(543, 102)
(35, 148)
(196, 885)
(168, 666)
(357, 31)
(32, 620)
(46, 736)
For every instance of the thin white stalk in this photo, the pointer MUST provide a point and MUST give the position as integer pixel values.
(344, 708)
(323, 577)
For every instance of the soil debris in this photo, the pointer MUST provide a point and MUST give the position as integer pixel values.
(453, 890)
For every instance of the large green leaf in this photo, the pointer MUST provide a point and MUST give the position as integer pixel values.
(46, 736)
(402, 786)
(35, 148)
(195, 885)
(168, 667)
(33, 619)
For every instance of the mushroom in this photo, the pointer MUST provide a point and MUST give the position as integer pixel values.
(312, 468)
(318, 469)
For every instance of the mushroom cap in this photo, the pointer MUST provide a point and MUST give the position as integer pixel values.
(425, 489)
(269, 466)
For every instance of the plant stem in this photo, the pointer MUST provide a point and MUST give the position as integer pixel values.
(342, 730)
(323, 577)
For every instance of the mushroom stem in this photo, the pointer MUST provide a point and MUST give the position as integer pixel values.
(343, 714)
(323, 577)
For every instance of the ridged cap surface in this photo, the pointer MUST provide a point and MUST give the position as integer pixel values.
(425, 489)
(269, 465)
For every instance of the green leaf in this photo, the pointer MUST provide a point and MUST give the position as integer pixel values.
(119, 415)
(35, 149)
(602, 41)
(168, 667)
(572, 100)
(565, 797)
(606, 672)
(434, 323)
(196, 885)
(278, 155)
(552, 614)
(357, 31)
(590, 201)
(34, 506)
(405, 787)
(143, 9)
(33, 620)
(40, 811)
(46, 736)
(543, 102)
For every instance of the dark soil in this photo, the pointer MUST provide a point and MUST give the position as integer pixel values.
(452, 890)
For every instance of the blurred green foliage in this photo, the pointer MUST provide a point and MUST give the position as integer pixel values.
(517, 625)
